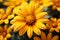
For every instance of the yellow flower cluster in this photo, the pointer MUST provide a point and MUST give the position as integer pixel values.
(28, 17)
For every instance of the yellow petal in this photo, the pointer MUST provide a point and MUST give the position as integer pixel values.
(8, 35)
(40, 15)
(56, 29)
(5, 27)
(58, 20)
(40, 25)
(6, 21)
(10, 29)
(23, 30)
(43, 20)
(4, 38)
(43, 36)
(36, 30)
(37, 38)
(58, 8)
(49, 36)
(55, 38)
(1, 21)
(18, 25)
(9, 9)
(29, 31)
(1, 37)
(18, 10)
(30, 7)
(40, 9)
(10, 16)
(19, 18)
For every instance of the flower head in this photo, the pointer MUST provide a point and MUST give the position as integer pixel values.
(3, 33)
(54, 24)
(49, 37)
(30, 19)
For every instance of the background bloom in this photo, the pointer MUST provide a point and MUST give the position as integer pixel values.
(3, 33)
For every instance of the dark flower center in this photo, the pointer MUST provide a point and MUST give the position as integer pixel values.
(30, 19)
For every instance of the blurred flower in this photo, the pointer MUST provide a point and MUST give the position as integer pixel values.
(56, 4)
(1, 0)
(13, 2)
(3, 33)
(49, 37)
(4, 16)
(44, 2)
(54, 24)
(30, 18)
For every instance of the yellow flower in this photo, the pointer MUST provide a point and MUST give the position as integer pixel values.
(4, 16)
(49, 37)
(30, 18)
(3, 33)
(44, 2)
(54, 24)
(13, 2)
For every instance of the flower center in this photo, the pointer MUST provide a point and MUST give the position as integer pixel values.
(3, 32)
(56, 3)
(30, 19)
(55, 24)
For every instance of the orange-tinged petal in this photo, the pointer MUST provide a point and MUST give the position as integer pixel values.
(40, 15)
(23, 30)
(36, 30)
(56, 29)
(1, 37)
(4, 38)
(1, 21)
(49, 36)
(43, 36)
(37, 38)
(29, 31)
(55, 38)
(51, 29)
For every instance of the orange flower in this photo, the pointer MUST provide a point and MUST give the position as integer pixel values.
(54, 24)
(49, 37)
(56, 4)
(3, 33)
